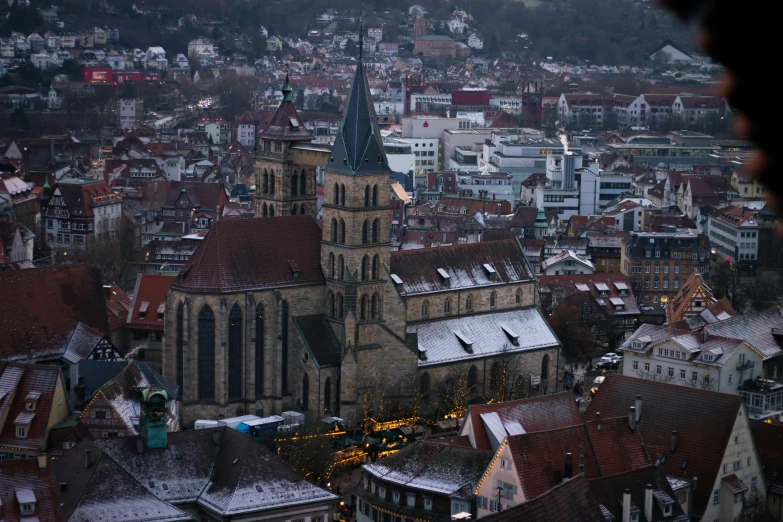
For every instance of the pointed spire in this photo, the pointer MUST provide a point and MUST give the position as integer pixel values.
(47, 191)
(361, 39)
(541, 219)
(358, 149)
(287, 90)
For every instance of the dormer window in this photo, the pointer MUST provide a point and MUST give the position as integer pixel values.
(707, 357)
(410, 499)
(27, 500)
(428, 503)
(22, 424)
(31, 400)
(161, 308)
(636, 345)
(445, 277)
(382, 492)
(365, 481)
(491, 272)
(396, 497)
(372, 487)
(143, 309)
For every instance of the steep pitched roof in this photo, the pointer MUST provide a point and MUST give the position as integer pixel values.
(103, 490)
(608, 492)
(237, 475)
(245, 254)
(464, 264)
(358, 149)
(17, 381)
(148, 296)
(123, 393)
(81, 343)
(433, 466)
(286, 124)
(21, 475)
(684, 296)
(665, 408)
(769, 444)
(47, 305)
(478, 336)
(535, 414)
(571, 500)
(755, 328)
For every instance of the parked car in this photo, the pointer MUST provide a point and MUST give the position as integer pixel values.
(609, 361)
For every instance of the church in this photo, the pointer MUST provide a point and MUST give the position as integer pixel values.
(277, 313)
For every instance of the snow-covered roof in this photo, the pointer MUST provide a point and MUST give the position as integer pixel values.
(487, 335)
(433, 466)
(236, 476)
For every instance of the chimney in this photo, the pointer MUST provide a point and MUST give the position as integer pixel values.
(569, 467)
(627, 505)
(648, 502)
(87, 458)
(598, 420)
(140, 445)
(674, 441)
(638, 406)
(704, 335)
(632, 418)
(493, 197)
(42, 462)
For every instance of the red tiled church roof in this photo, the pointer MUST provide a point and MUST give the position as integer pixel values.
(246, 254)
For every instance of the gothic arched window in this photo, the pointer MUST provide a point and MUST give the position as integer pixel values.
(336, 194)
(294, 184)
(375, 225)
(375, 263)
(305, 392)
(375, 196)
(259, 350)
(206, 354)
(363, 310)
(235, 353)
(367, 196)
(334, 230)
(302, 184)
(180, 344)
(284, 338)
(365, 226)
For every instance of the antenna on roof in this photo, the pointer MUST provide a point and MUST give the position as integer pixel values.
(361, 38)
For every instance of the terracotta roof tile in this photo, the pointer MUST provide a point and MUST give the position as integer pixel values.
(47, 305)
(23, 379)
(16, 475)
(535, 414)
(571, 500)
(150, 289)
(666, 408)
(244, 254)
(464, 264)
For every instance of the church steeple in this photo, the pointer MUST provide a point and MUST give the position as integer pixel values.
(358, 149)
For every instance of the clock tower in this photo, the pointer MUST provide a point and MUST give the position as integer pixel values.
(152, 420)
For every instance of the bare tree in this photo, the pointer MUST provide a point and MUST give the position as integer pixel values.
(455, 391)
(507, 376)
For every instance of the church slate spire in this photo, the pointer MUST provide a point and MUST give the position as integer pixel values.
(358, 149)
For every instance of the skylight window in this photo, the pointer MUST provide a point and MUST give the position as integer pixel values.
(294, 123)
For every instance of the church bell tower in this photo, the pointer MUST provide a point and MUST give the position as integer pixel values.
(355, 250)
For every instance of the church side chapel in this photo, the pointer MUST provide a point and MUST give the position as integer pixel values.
(276, 313)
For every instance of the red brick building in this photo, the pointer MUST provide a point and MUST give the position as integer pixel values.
(440, 45)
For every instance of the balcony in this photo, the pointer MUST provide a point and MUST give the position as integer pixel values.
(744, 365)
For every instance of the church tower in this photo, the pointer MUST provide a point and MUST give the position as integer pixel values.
(355, 252)
(284, 187)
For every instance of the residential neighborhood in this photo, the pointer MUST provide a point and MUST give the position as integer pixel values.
(314, 261)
